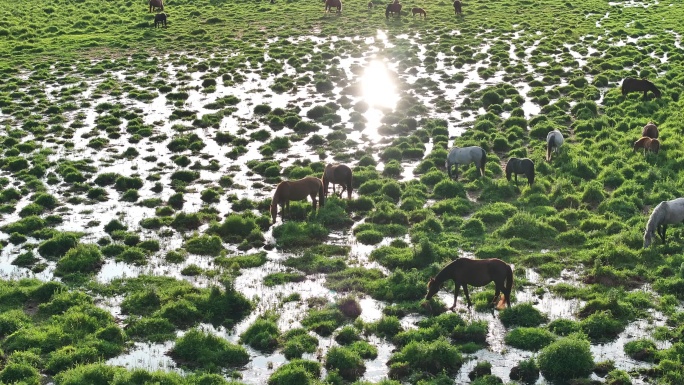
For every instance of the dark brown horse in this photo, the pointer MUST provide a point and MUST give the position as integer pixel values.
(516, 166)
(650, 130)
(457, 8)
(647, 144)
(393, 9)
(418, 11)
(296, 190)
(370, 5)
(330, 4)
(340, 174)
(475, 272)
(156, 4)
(639, 85)
(160, 20)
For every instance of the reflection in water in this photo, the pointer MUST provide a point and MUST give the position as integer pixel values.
(378, 88)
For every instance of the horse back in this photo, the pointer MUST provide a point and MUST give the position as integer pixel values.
(479, 272)
(650, 130)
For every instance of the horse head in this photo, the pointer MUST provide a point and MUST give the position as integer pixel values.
(648, 238)
(433, 288)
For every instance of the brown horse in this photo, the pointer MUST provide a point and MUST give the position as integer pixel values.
(639, 85)
(647, 144)
(154, 4)
(160, 20)
(393, 8)
(330, 4)
(340, 174)
(419, 11)
(475, 272)
(457, 7)
(370, 5)
(296, 190)
(650, 130)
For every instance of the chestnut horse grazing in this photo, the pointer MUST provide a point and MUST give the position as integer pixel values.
(296, 190)
(650, 130)
(340, 174)
(475, 272)
(639, 85)
(419, 11)
(457, 7)
(154, 4)
(330, 4)
(648, 144)
(160, 20)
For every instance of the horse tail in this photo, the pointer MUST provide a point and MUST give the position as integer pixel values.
(321, 195)
(509, 170)
(549, 146)
(483, 162)
(531, 175)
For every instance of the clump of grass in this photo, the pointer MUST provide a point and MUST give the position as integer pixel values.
(296, 342)
(522, 315)
(263, 334)
(529, 338)
(201, 350)
(431, 357)
(83, 259)
(296, 372)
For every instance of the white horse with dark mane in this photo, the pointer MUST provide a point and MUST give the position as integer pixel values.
(666, 213)
(554, 140)
(466, 155)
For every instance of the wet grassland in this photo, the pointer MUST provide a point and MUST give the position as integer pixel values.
(138, 167)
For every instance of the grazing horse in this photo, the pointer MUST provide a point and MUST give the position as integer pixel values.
(466, 155)
(554, 140)
(160, 20)
(517, 166)
(393, 8)
(666, 213)
(370, 5)
(154, 4)
(296, 190)
(340, 174)
(650, 130)
(330, 4)
(639, 85)
(418, 11)
(475, 272)
(457, 8)
(648, 144)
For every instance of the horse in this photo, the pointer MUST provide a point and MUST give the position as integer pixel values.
(370, 5)
(650, 130)
(340, 174)
(330, 4)
(666, 213)
(466, 155)
(554, 140)
(639, 85)
(296, 190)
(457, 8)
(648, 144)
(393, 8)
(418, 11)
(475, 272)
(154, 4)
(517, 166)
(160, 19)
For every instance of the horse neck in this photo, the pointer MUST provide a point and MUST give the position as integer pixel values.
(657, 217)
(448, 272)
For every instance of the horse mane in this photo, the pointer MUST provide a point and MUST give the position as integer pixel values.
(657, 217)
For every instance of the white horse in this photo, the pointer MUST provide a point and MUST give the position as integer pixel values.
(666, 213)
(554, 140)
(466, 155)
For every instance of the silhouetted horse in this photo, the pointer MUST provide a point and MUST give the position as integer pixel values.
(296, 190)
(647, 144)
(639, 85)
(666, 213)
(340, 174)
(517, 166)
(554, 140)
(650, 130)
(475, 272)
(466, 155)
(419, 11)
(159, 20)
(393, 8)
(154, 4)
(457, 8)
(330, 4)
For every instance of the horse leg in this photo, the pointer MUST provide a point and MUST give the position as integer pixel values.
(465, 290)
(515, 175)
(662, 229)
(455, 296)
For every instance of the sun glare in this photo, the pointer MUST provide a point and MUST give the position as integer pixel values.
(378, 88)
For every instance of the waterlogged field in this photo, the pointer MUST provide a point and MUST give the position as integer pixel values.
(139, 163)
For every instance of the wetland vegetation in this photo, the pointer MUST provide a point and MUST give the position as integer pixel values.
(138, 166)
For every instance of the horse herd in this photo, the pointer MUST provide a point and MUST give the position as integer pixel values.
(392, 9)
